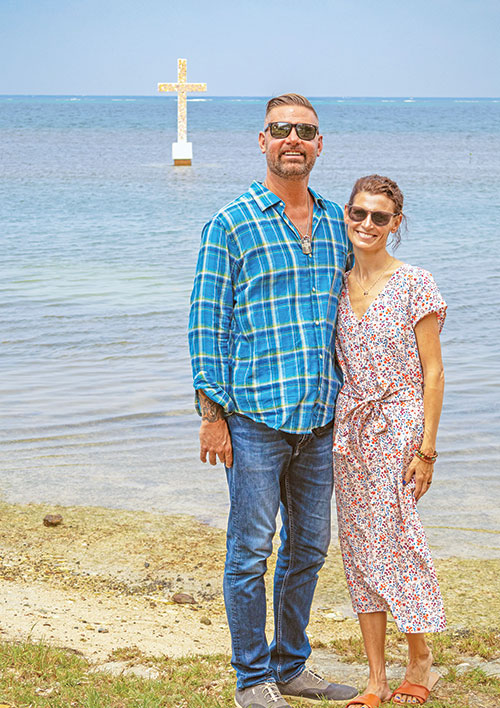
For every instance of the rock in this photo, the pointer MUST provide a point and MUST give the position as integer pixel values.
(335, 616)
(326, 662)
(491, 668)
(146, 564)
(52, 520)
(121, 668)
(205, 620)
(103, 630)
(70, 650)
(182, 598)
(146, 672)
(45, 691)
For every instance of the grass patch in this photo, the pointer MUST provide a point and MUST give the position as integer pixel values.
(450, 647)
(351, 649)
(454, 647)
(471, 689)
(33, 675)
(37, 675)
(477, 677)
(131, 655)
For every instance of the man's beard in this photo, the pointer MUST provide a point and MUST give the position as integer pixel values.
(292, 170)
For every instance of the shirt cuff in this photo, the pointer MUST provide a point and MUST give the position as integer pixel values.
(216, 394)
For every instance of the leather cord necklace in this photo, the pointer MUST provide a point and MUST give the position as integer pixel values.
(306, 238)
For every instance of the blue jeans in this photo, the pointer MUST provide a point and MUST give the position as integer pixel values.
(274, 470)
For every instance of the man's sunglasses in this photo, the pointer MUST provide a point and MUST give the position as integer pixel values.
(305, 131)
(379, 218)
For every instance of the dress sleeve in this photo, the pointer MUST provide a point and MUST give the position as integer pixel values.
(426, 298)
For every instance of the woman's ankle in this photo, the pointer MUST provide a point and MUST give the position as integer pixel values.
(379, 687)
(421, 656)
(419, 652)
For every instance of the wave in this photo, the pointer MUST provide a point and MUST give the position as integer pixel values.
(71, 430)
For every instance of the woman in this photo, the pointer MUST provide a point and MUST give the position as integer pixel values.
(389, 318)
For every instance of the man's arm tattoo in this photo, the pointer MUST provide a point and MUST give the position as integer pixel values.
(210, 411)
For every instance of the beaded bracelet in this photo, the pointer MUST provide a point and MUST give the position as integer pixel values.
(427, 458)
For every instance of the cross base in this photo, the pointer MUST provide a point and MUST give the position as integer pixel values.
(182, 154)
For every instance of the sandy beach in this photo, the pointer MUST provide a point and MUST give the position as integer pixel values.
(103, 582)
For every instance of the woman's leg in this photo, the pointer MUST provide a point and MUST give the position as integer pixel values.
(373, 627)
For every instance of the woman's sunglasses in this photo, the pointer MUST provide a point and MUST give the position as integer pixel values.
(379, 218)
(305, 131)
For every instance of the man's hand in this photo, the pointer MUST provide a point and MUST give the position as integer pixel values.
(215, 438)
(216, 441)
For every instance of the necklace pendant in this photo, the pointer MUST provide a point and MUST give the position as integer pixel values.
(306, 245)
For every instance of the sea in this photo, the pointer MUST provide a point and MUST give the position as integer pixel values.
(99, 235)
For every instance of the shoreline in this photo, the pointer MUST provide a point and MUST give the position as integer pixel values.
(448, 535)
(104, 580)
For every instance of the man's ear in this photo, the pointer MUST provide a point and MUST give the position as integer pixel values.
(262, 141)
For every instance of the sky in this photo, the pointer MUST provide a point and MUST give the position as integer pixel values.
(252, 47)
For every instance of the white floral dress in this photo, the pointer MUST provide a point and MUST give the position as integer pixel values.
(378, 427)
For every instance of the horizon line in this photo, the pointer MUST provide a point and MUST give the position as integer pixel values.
(207, 95)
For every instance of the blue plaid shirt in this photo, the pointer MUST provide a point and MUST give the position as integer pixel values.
(263, 313)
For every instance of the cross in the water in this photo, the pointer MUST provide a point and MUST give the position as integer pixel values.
(182, 151)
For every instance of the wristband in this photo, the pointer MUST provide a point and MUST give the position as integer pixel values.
(427, 458)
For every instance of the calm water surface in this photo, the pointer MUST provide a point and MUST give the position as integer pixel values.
(98, 246)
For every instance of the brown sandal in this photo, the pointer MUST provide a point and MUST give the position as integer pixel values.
(370, 700)
(421, 693)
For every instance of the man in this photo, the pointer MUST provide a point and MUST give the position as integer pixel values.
(268, 276)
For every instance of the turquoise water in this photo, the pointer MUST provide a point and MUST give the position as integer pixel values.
(98, 246)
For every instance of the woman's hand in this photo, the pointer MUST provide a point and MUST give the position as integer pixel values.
(422, 471)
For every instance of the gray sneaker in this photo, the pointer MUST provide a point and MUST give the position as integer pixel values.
(314, 688)
(263, 695)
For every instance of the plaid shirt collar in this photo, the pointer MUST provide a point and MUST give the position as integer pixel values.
(265, 198)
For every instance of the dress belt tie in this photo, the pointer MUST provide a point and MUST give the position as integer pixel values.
(367, 408)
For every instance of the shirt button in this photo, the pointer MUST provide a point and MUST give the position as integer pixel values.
(314, 290)
(316, 322)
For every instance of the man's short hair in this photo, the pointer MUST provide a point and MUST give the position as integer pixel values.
(289, 99)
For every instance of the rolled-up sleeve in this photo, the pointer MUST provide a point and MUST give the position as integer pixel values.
(210, 317)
